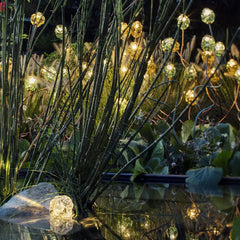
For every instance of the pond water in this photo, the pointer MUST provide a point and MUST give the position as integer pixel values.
(148, 211)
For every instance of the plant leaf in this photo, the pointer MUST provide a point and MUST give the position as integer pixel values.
(158, 151)
(222, 203)
(147, 133)
(138, 169)
(222, 160)
(235, 164)
(236, 229)
(187, 130)
(204, 176)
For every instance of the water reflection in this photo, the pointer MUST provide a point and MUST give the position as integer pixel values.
(146, 211)
(160, 212)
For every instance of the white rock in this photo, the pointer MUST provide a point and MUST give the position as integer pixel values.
(30, 202)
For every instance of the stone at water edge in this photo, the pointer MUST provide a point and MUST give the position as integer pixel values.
(33, 201)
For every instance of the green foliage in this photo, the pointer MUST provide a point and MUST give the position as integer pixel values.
(208, 145)
(186, 132)
(236, 229)
(222, 160)
(235, 164)
(204, 176)
(152, 161)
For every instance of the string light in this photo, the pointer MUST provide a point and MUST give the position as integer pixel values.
(208, 43)
(213, 74)
(31, 83)
(136, 29)
(237, 74)
(172, 233)
(207, 56)
(232, 66)
(37, 19)
(167, 44)
(169, 70)
(124, 30)
(151, 67)
(61, 207)
(208, 16)
(48, 73)
(59, 29)
(219, 49)
(193, 211)
(9, 65)
(189, 97)
(134, 50)
(190, 73)
(183, 21)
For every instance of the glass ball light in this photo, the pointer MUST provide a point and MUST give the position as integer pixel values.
(219, 49)
(183, 21)
(208, 16)
(48, 73)
(232, 66)
(207, 56)
(189, 96)
(61, 226)
(134, 50)
(213, 74)
(61, 206)
(167, 44)
(151, 67)
(9, 66)
(124, 30)
(136, 29)
(169, 70)
(208, 43)
(172, 233)
(31, 83)
(193, 212)
(237, 74)
(59, 29)
(37, 19)
(190, 73)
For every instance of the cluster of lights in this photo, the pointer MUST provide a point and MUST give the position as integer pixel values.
(211, 49)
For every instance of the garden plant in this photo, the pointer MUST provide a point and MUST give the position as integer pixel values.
(138, 97)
